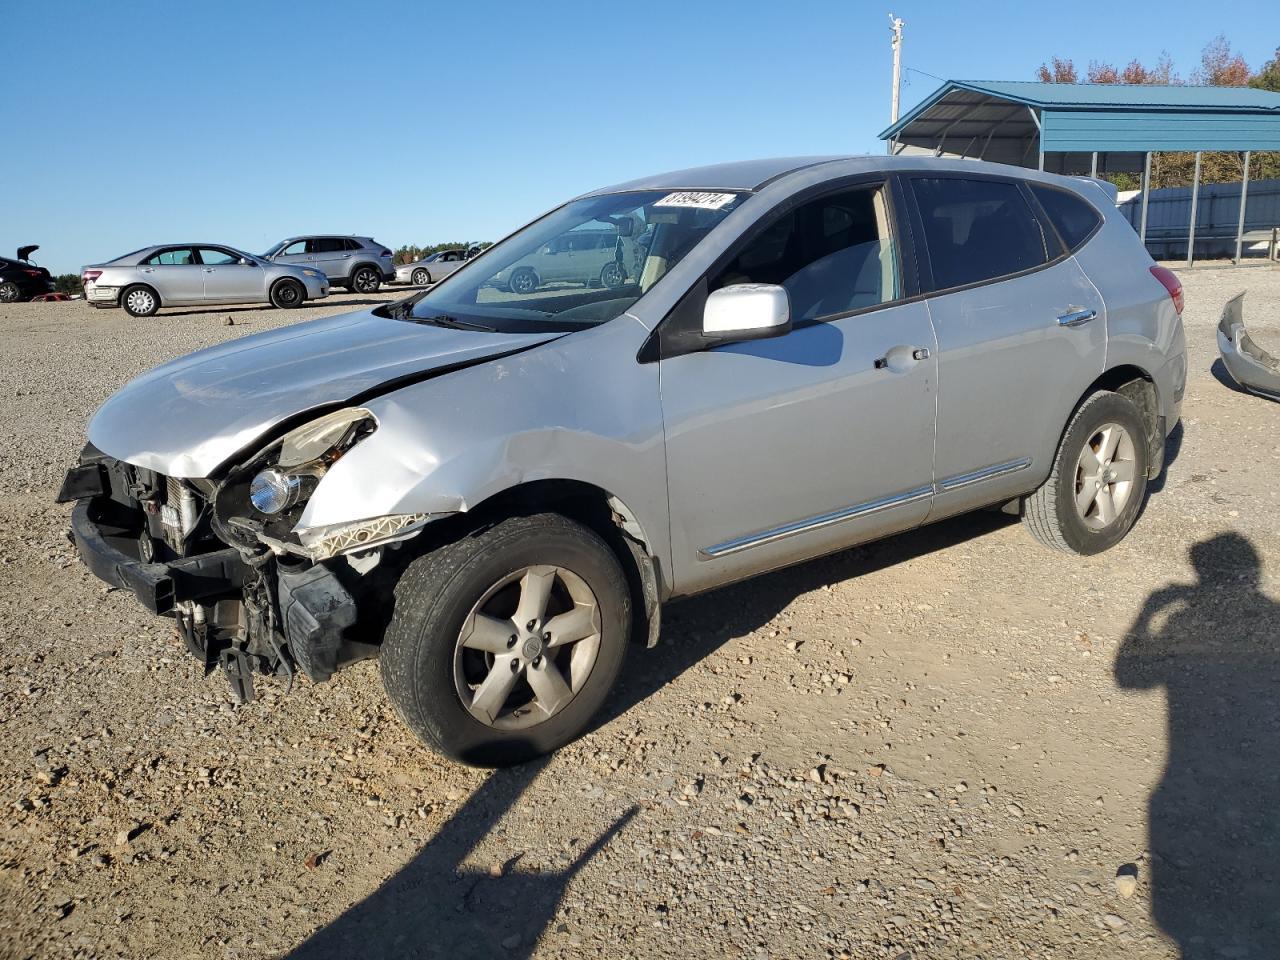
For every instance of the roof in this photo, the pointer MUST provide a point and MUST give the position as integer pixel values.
(1011, 120)
(742, 175)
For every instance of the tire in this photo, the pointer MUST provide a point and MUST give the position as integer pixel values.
(9, 293)
(140, 300)
(523, 280)
(421, 278)
(1087, 506)
(434, 662)
(365, 279)
(611, 275)
(288, 294)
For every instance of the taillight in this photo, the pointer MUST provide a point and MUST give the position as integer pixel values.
(1172, 284)
(385, 252)
(90, 275)
(31, 273)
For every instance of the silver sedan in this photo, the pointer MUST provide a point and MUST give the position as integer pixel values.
(187, 274)
(431, 269)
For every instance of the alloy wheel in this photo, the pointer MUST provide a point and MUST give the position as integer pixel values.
(527, 647)
(420, 278)
(8, 292)
(366, 282)
(1105, 472)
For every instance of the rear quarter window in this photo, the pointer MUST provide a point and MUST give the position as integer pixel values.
(1074, 218)
(977, 230)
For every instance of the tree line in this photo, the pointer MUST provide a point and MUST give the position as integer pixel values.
(1219, 66)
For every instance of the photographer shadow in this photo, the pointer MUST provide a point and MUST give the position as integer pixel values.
(1214, 819)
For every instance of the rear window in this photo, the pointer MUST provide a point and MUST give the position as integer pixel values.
(977, 230)
(352, 244)
(1074, 219)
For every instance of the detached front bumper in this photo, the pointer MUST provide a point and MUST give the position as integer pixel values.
(114, 555)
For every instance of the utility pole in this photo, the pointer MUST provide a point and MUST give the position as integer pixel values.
(895, 24)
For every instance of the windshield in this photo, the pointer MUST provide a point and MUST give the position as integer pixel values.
(273, 251)
(579, 266)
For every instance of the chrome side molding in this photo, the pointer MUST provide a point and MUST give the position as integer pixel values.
(739, 544)
(986, 473)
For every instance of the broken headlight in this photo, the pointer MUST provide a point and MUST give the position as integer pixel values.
(304, 456)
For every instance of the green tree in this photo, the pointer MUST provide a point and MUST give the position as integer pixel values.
(68, 283)
(1268, 78)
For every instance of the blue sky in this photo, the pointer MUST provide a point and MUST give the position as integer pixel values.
(424, 122)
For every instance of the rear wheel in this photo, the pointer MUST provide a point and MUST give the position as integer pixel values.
(611, 275)
(140, 301)
(288, 293)
(504, 644)
(9, 293)
(1099, 479)
(421, 278)
(366, 280)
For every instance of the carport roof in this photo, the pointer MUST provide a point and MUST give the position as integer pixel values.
(1011, 121)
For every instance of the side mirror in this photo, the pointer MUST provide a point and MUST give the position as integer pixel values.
(747, 311)
(246, 262)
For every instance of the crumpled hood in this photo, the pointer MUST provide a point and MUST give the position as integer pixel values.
(187, 417)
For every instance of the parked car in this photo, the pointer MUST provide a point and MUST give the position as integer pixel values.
(360, 264)
(186, 274)
(813, 353)
(588, 256)
(21, 279)
(431, 269)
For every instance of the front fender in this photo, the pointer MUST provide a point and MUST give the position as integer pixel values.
(579, 408)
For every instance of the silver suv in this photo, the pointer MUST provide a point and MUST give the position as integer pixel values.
(360, 264)
(495, 490)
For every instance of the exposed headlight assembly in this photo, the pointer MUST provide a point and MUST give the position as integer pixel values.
(304, 456)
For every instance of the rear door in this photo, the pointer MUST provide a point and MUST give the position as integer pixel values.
(175, 273)
(1021, 333)
(331, 255)
(227, 280)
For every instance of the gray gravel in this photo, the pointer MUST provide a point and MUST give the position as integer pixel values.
(950, 744)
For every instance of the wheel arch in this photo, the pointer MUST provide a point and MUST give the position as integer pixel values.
(139, 283)
(599, 511)
(1139, 386)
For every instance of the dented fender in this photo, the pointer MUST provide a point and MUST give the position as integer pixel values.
(448, 444)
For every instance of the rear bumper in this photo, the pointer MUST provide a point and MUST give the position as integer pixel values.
(158, 586)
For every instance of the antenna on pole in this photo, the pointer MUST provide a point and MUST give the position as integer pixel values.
(895, 24)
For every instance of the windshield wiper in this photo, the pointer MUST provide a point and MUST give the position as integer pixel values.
(453, 323)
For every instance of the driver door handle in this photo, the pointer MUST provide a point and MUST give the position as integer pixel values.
(1076, 317)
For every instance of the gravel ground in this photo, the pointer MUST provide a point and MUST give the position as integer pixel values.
(948, 744)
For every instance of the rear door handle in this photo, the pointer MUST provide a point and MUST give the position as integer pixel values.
(1076, 317)
(917, 353)
(208, 269)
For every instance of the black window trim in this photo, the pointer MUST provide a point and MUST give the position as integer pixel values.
(922, 248)
(195, 257)
(654, 349)
(1098, 214)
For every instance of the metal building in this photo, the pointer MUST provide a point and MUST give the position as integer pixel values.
(1091, 128)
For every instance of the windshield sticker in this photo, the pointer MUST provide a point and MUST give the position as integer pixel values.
(697, 201)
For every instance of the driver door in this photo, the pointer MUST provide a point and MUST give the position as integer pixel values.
(227, 280)
(788, 448)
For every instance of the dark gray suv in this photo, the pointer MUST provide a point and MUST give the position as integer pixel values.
(357, 263)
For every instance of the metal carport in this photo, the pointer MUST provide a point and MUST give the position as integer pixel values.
(1091, 128)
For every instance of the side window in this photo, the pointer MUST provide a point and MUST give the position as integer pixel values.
(351, 244)
(977, 230)
(1074, 218)
(325, 245)
(833, 255)
(214, 256)
(179, 257)
(295, 249)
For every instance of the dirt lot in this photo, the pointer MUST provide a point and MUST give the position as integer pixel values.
(944, 745)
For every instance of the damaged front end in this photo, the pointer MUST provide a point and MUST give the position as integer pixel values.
(251, 591)
(1249, 365)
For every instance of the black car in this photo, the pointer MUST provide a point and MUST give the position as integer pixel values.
(21, 279)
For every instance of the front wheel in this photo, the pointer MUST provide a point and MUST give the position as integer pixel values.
(366, 280)
(421, 278)
(288, 294)
(505, 643)
(1099, 479)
